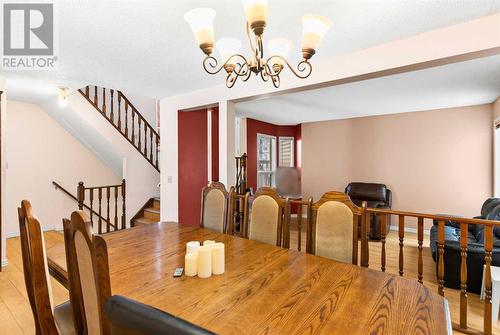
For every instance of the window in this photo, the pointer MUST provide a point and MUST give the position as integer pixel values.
(266, 160)
(285, 155)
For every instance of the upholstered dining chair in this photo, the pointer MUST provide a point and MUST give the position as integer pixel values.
(333, 232)
(214, 207)
(237, 213)
(49, 319)
(129, 317)
(88, 274)
(269, 217)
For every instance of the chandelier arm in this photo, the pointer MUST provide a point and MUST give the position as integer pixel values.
(276, 80)
(210, 65)
(304, 68)
(231, 79)
(264, 74)
(252, 43)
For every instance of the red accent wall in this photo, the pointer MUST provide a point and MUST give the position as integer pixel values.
(215, 144)
(255, 127)
(193, 161)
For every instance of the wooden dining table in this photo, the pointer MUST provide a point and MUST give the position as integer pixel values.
(265, 289)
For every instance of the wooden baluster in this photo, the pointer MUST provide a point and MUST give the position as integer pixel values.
(151, 145)
(123, 203)
(420, 233)
(91, 205)
(119, 112)
(108, 221)
(463, 275)
(441, 257)
(401, 232)
(99, 195)
(126, 119)
(488, 248)
(364, 242)
(87, 91)
(80, 193)
(299, 225)
(116, 208)
(96, 99)
(145, 139)
(157, 150)
(133, 126)
(139, 133)
(383, 230)
(104, 101)
(112, 115)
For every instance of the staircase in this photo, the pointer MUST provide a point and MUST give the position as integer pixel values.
(149, 213)
(114, 106)
(119, 112)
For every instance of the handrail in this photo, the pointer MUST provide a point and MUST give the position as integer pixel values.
(129, 122)
(58, 186)
(489, 225)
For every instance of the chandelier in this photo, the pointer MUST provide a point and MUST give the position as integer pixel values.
(235, 64)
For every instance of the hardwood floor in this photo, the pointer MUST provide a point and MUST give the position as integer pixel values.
(16, 317)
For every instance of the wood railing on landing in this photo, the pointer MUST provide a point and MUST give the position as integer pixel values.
(365, 214)
(109, 199)
(121, 113)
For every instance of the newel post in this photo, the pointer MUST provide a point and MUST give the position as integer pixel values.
(364, 241)
(80, 194)
(123, 203)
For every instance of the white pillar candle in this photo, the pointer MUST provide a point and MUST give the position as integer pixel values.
(208, 243)
(204, 262)
(191, 264)
(192, 247)
(218, 258)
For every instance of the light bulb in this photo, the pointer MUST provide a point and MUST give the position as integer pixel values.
(62, 96)
(255, 10)
(201, 21)
(314, 28)
(279, 47)
(227, 47)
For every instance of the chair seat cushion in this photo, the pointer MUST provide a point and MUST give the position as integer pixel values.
(63, 316)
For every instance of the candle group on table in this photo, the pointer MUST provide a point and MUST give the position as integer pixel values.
(204, 260)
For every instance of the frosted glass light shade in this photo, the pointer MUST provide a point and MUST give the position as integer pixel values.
(201, 21)
(279, 47)
(314, 28)
(255, 10)
(227, 47)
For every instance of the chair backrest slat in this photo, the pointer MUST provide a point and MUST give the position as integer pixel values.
(214, 207)
(334, 228)
(269, 217)
(36, 274)
(88, 274)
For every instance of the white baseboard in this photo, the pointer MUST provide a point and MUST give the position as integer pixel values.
(411, 230)
(5, 262)
(17, 233)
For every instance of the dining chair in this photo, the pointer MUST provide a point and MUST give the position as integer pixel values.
(88, 274)
(129, 317)
(333, 233)
(214, 207)
(237, 213)
(49, 319)
(269, 217)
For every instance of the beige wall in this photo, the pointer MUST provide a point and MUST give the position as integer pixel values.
(437, 161)
(40, 151)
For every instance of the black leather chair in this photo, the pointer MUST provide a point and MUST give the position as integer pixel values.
(129, 317)
(475, 248)
(376, 196)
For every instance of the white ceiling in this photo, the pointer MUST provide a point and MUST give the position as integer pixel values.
(145, 47)
(460, 84)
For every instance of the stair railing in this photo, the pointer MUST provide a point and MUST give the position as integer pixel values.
(489, 225)
(109, 199)
(114, 106)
